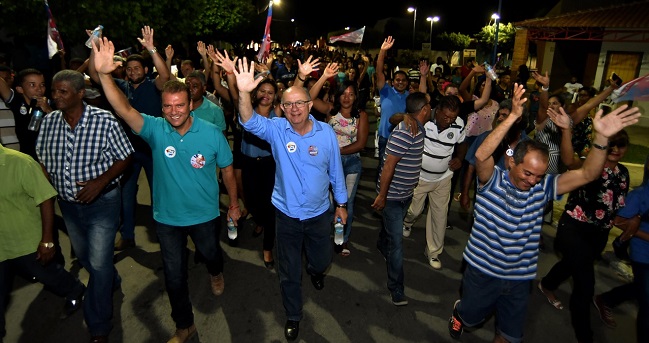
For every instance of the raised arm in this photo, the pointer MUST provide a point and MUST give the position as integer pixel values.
(604, 128)
(305, 69)
(463, 89)
(319, 104)
(158, 62)
(542, 114)
(484, 97)
(424, 68)
(246, 83)
(202, 51)
(169, 54)
(582, 111)
(102, 60)
(483, 156)
(380, 62)
(228, 65)
(568, 157)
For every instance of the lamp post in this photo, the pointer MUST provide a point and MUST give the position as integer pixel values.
(414, 23)
(496, 17)
(432, 20)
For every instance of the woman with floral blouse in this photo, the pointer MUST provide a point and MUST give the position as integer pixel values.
(583, 228)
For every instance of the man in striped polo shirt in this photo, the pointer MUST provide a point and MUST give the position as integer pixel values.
(502, 250)
(443, 133)
(397, 180)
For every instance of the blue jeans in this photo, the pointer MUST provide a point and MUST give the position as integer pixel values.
(313, 236)
(641, 281)
(383, 142)
(483, 294)
(53, 276)
(92, 229)
(173, 247)
(352, 168)
(390, 242)
(129, 191)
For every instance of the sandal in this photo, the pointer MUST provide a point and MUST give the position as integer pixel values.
(345, 252)
(554, 302)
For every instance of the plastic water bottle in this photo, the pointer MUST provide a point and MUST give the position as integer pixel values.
(37, 117)
(490, 71)
(96, 34)
(232, 229)
(339, 232)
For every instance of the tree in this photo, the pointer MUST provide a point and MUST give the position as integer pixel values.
(506, 36)
(452, 42)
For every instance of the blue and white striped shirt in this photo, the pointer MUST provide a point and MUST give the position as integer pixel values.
(83, 153)
(504, 240)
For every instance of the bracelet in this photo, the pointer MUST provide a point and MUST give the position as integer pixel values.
(229, 72)
(234, 206)
(299, 78)
(341, 205)
(153, 51)
(545, 89)
(600, 147)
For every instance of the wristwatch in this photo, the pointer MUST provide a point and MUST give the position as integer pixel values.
(48, 245)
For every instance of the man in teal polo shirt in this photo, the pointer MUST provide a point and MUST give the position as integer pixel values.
(202, 107)
(186, 152)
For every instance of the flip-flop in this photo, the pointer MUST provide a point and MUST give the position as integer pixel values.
(556, 302)
(345, 251)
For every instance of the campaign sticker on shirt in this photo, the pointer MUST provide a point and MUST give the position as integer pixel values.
(23, 109)
(291, 147)
(450, 135)
(198, 161)
(313, 150)
(170, 151)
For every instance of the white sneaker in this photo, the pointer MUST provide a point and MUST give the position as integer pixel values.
(406, 231)
(435, 263)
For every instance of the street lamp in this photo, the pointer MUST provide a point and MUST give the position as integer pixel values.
(496, 17)
(414, 23)
(432, 20)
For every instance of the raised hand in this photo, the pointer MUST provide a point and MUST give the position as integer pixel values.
(224, 61)
(200, 47)
(309, 66)
(615, 121)
(245, 75)
(387, 43)
(478, 68)
(104, 51)
(560, 119)
(543, 80)
(330, 70)
(518, 100)
(147, 38)
(424, 67)
(169, 52)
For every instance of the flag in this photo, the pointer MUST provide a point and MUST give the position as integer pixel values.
(352, 37)
(54, 42)
(264, 49)
(124, 52)
(634, 90)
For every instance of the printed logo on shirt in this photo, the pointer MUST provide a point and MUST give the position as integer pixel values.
(198, 161)
(23, 109)
(291, 147)
(450, 135)
(170, 151)
(313, 150)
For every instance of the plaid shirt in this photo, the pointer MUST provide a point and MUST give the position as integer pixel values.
(83, 153)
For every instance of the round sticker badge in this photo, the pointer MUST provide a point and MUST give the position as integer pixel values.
(291, 147)
(23, 109)
(450, 135)
(170, 151)
(198, 161)
(313, 150)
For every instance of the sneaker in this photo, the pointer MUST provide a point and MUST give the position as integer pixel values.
(399, 299)
(218, 284)
(605, 313)
(406, 231)
(435, 263)
(455, 326)
(183, 335)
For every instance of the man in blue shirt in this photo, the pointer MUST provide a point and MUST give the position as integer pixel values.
(308, 161)
(186, 152)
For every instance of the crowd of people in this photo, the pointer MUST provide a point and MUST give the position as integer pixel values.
(298, 122)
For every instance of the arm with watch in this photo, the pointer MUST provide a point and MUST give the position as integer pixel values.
(164, 73)
(45, 250)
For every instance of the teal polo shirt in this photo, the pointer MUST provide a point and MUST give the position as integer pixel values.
(212, 113)
(186, 190)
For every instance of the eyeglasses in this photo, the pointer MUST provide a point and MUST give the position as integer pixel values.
(298, 104)
(617, 143)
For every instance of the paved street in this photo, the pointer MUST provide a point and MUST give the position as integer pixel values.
(354, 306)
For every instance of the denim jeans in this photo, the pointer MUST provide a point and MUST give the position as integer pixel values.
(383, 142)
(641, 281)
(352, 168)
(390, 242)
(92, 229)
(173, 247)
(53, 276)
(129, 191)
(483, 294)
(313, 236)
